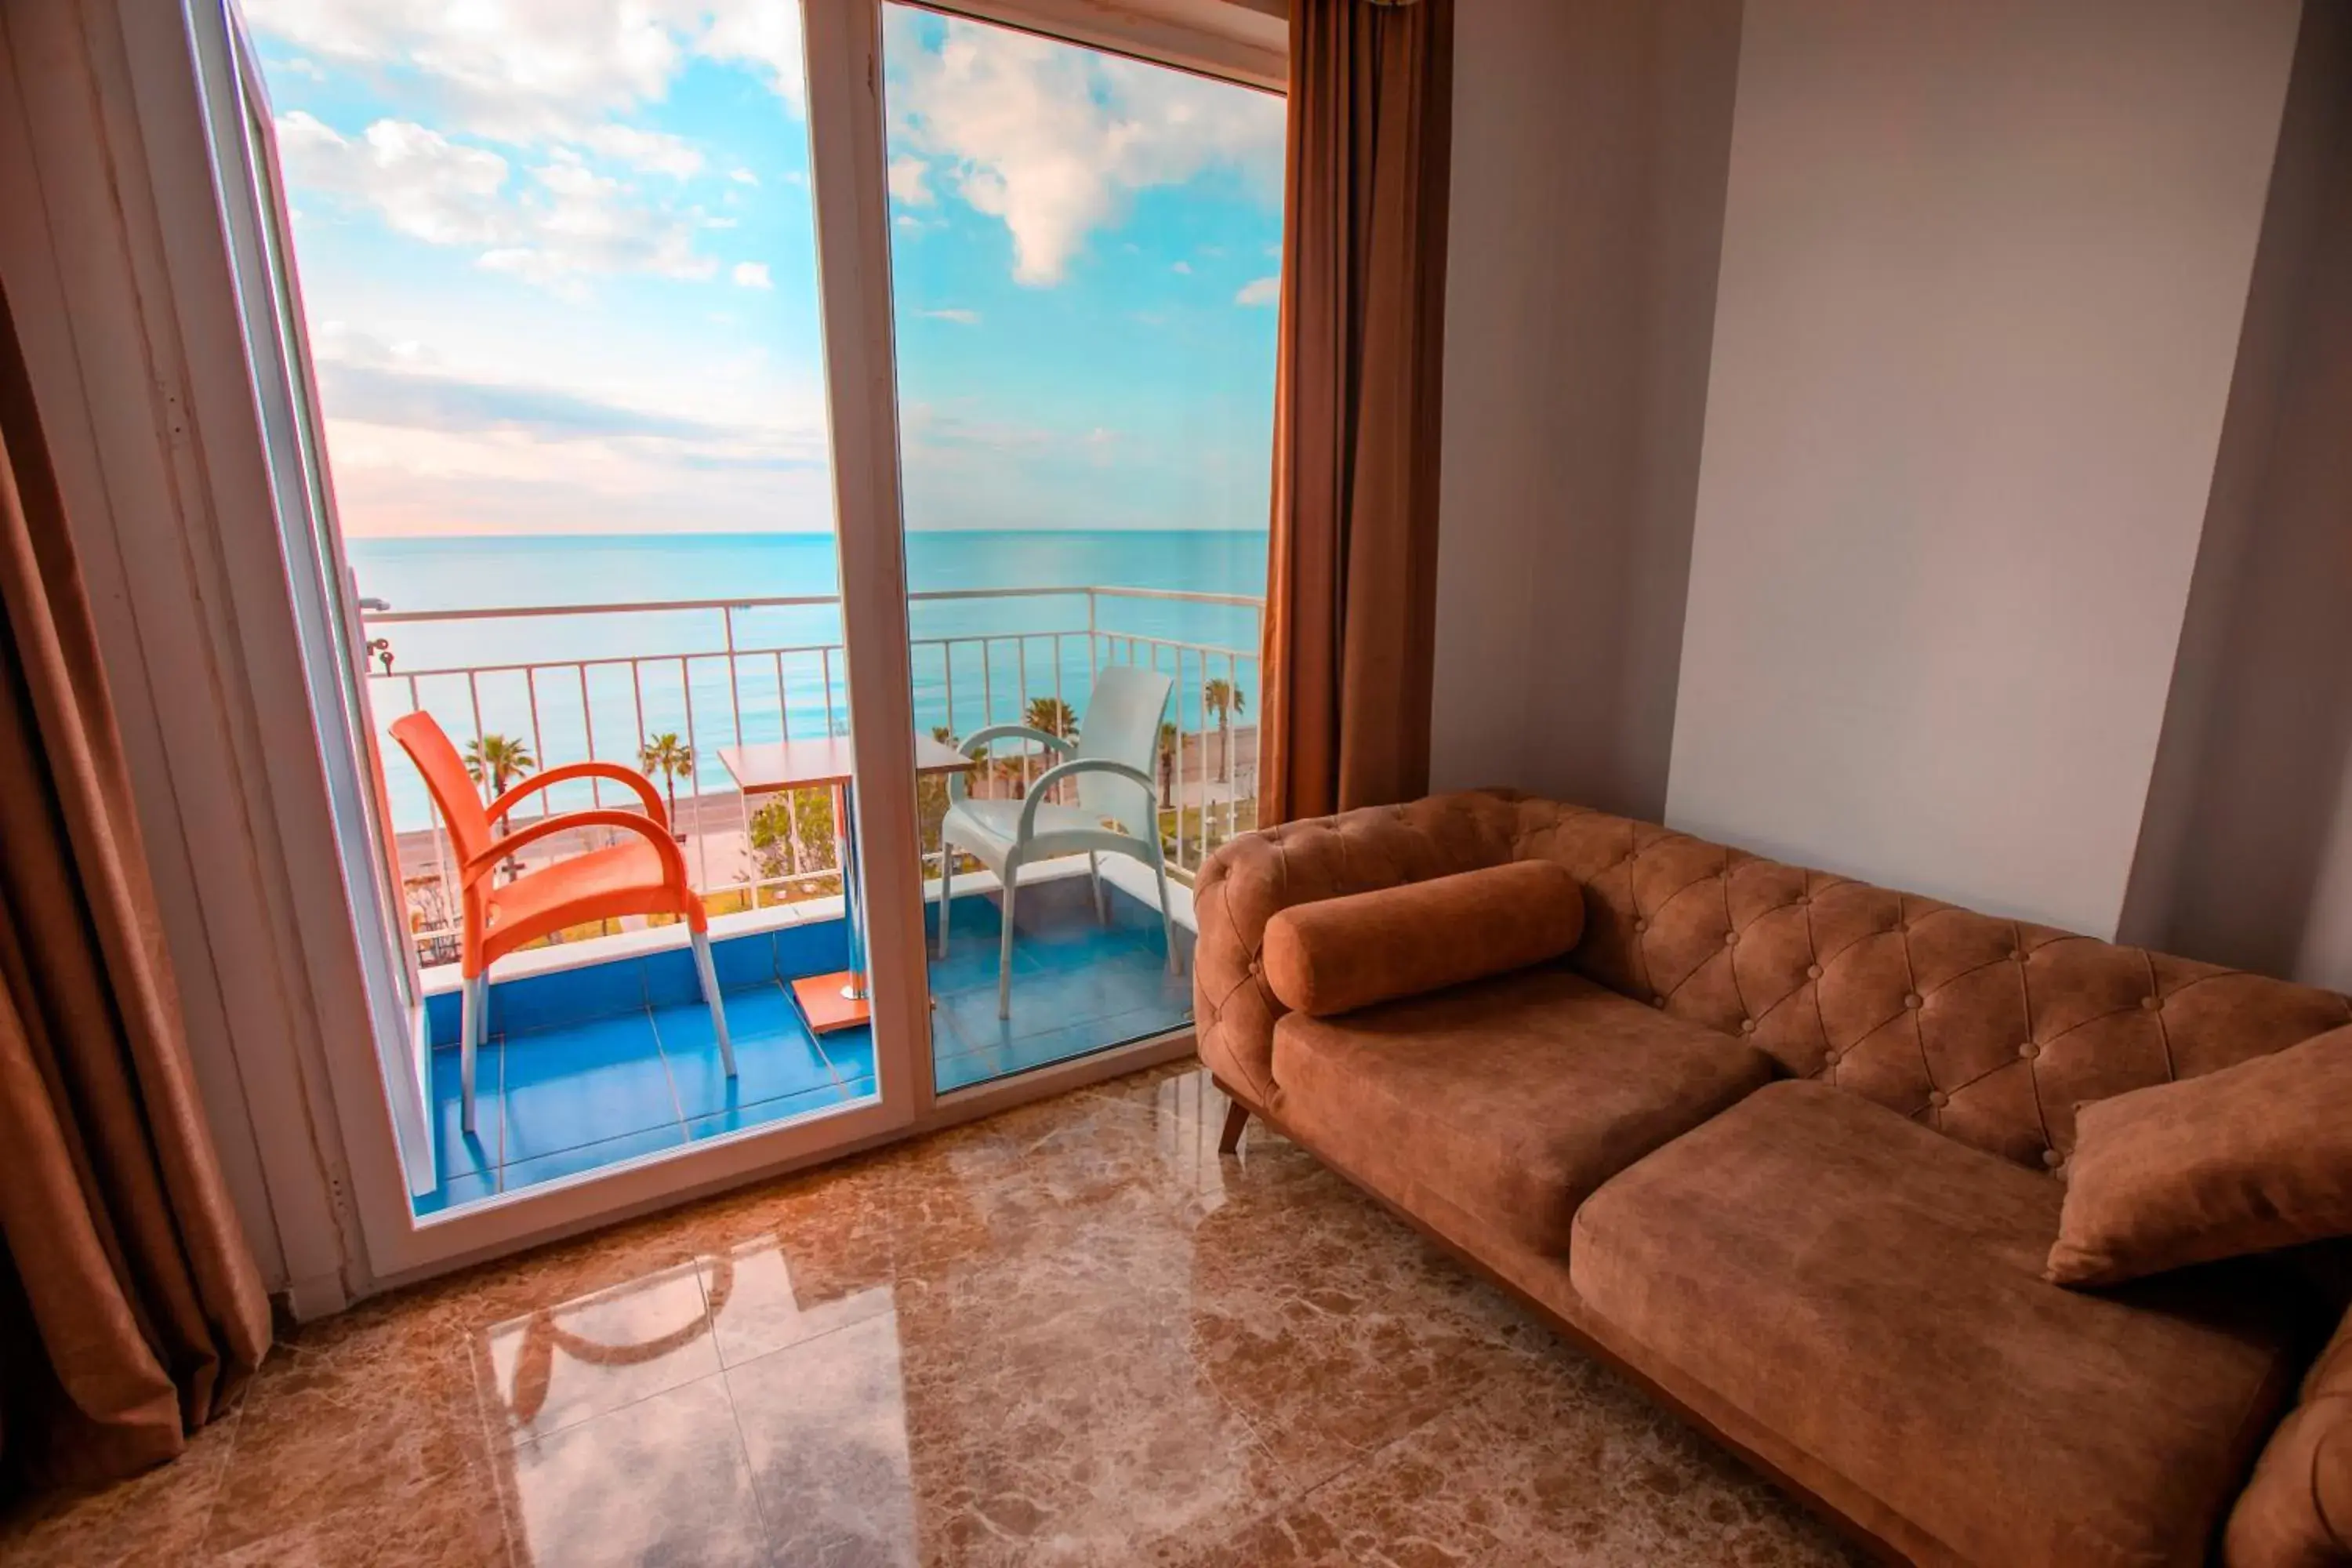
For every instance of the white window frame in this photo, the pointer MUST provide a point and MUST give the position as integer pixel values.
(136, 342)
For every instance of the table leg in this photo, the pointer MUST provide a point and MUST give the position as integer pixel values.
(853, 891)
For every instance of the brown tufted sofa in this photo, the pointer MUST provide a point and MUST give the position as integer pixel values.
(1784, 1147)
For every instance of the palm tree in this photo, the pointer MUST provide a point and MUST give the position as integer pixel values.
(1222, 699)
(670, 759)
(500, 761)
(1168, 743)
(1052, 715)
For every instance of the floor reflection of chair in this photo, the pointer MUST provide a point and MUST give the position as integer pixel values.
(1117, 810)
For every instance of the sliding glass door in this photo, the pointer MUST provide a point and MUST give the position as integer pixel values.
(554, 383)
(1084, 251)
(805, 462)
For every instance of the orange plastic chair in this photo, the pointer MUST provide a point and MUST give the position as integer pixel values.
(646, 877)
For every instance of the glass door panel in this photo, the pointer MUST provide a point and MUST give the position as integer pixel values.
(1084, 253)
(561, 322)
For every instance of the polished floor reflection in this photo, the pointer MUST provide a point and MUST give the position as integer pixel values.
(1071, 1334)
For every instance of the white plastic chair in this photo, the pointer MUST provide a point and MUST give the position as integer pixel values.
(1117, 811)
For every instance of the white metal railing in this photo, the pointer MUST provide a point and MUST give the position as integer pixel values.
(722, 672)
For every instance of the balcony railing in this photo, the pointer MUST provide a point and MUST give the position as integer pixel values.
(569, 682)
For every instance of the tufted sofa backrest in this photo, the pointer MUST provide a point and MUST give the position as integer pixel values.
(1989, 1030)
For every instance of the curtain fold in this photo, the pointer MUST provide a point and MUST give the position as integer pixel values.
(1352, 581)
(129, 1305)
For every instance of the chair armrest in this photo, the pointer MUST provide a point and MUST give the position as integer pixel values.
(656, 833)
(1255, 877)
(591, 770)
(1060, 771)
(980, 741)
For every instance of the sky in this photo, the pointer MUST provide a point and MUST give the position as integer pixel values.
(558, 265)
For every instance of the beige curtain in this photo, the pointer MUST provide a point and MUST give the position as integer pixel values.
(129, 1306)
(1351, 582)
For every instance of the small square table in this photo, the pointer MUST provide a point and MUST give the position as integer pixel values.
(835, 1001)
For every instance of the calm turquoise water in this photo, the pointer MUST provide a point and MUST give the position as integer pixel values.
(678, 680)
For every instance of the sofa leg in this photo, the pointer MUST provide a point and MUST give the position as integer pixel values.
(1237, 1118)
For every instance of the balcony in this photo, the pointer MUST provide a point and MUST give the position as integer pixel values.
(600, 1049)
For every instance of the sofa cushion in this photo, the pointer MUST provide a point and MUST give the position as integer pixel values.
(2253, 1157)
(2298, 1510)
(1507, 1101)
(1873, 1292)
(1335, 955)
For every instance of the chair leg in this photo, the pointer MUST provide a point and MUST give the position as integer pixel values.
(473, 1027)
(1166, 920)
(947, 890)
(1094, 870)
(707, 972)
(1004, 946)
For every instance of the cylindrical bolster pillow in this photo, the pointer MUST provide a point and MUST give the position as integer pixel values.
(1335, 955)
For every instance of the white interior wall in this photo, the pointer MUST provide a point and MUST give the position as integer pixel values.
(1983, 275)
(1589, 141)
(2246, 855)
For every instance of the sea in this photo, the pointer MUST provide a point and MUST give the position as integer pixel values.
(572, 680)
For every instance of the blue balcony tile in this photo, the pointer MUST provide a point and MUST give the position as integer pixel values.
(1061, 1044)
(831, 1096)
(976, 916)
(442, 1017)
(567, 996)
(850, 1052)
(670, 978)
(1121, 1027)
(469, 1187)
(818, 948)
(965, 1068)
(1069, 950)
(774, 1056)
(594, 1156)
(971, 967)
(743, 961)
(585, 1084)
(970, 1018)
(456, 1151)
(1129, 912)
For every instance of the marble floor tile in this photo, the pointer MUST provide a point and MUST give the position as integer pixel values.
(662, 1483)
(824, 1424)
(1563, 1466)
(561, 1365)
(159, 1517)
(1073, 1334)
(354, 1423)
(452, 1519)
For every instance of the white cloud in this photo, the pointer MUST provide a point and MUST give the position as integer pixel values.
(1055, 139)
(961, 317)
(750, 275)
(762, 33)
(1183, 266)
(526, 70)
(1260, 292)
(418, 181)
(743, 176)
(908, 182)
(656, 152)
(564, 223)
(583, 222)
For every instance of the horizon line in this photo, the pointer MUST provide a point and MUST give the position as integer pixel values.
(756, 533)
